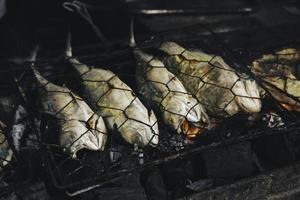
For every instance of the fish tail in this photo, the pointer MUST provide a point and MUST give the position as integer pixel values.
(40, 80)
(68, 46)
(132, 42)
(33, 53)
(32, 58)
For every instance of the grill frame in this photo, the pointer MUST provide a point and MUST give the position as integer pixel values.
(227, 53)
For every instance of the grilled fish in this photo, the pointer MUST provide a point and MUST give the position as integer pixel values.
(112, 99)
(79, 127)
(218, 87)
(281, 73)
(178, 109)
(5, 151)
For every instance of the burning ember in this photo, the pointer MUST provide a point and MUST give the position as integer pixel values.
(288, 107)
(191, 132)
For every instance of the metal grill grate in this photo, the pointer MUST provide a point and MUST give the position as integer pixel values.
(94, 169)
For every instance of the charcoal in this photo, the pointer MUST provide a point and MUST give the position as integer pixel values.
(230, 161)
(273, 120)
(31, 142)
(86, 167)
(34, 191)
(200, 185)
(170, 142)
(125, 187)
(132, 179)
(120, 193)
(29, 164)
(154, 185)
(115, 154)
(12, 196)
(278, 184)
(28, 190)
(177, 174)
(277, 149)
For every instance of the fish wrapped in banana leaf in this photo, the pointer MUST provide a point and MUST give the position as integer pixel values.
(217, 86)
(280, 73)
(115, 101)
(79, 127)
(159, 86)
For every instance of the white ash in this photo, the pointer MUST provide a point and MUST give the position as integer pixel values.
(176, 142)
(115, 153)
(19, 126)
(139, 153)
(273, 120)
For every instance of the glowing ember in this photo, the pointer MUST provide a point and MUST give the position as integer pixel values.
(191, 132)
(286, 106)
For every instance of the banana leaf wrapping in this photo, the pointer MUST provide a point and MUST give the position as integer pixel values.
(280, 73)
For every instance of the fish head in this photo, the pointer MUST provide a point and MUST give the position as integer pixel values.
(141, 133)
(77, 135)
(248, 96)
(186, 115)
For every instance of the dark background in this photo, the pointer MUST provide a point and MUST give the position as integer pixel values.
(29, 22)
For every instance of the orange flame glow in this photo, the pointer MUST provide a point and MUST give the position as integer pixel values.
(287, 107)
(191, 132)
